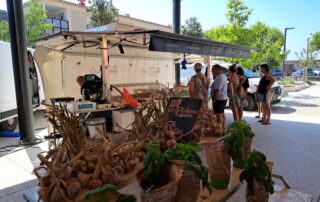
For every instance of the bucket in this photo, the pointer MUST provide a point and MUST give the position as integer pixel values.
(97, 128)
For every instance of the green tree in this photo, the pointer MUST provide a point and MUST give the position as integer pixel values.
(35, 25)
(315, 42)
(268, 39)
(4, 31)
(35, 17)
(102, 12)
(238, 13)
(307, 58)
(192, 27)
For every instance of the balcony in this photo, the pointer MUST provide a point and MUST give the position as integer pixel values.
(58, 25)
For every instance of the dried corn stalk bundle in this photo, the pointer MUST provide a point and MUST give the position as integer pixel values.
(80, 164)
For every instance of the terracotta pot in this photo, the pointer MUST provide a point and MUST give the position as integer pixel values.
(189, 186)
(260, 194)
(219, 163)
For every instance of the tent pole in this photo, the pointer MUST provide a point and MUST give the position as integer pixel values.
(20, 69)
(105, 69)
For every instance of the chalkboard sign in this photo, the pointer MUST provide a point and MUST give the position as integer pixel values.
(182, 113)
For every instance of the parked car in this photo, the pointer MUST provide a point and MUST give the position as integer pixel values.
(299, 72)
(317, 71)
(276, 72)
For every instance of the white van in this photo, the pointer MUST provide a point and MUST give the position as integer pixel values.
(8, 105)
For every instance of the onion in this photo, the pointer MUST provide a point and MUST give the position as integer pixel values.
(56, 195)
(171, 144)
(66, 173)
(46, 180)
(107, 177)
(94, 183)
(84, 179)
(119, 169)
(73, 189)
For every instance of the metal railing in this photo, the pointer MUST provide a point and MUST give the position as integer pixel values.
(58, 25)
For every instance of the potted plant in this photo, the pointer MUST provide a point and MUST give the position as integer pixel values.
(186, 158)
(258, 177)
(159, 179)
(243, 142)
(108, 193)
(219, 162)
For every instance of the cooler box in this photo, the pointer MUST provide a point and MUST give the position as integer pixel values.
(122, 119)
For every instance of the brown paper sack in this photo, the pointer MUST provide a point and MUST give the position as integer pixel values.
(219, 162)
(189, 186)
(166, 193)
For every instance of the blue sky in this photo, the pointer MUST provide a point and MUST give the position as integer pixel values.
(304, 15)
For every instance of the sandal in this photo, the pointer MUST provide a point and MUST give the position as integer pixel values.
(265, 123)
(261, 121)
(257, 117)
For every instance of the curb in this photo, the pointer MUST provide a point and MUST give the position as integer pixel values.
(295, 88)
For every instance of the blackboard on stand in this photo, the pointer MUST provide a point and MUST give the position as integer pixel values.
(182, 113)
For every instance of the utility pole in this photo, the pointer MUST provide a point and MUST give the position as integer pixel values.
(176, 29)
(284, 46)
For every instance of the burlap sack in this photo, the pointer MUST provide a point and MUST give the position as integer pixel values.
(219, 162)
(189, 186)
(165, 193)
(260, 194)
(240, 163)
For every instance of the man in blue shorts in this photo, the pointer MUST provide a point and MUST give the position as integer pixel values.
(219, 94)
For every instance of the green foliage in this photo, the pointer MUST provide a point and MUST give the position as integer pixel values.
(235, 144)
(35, 25)
(286, 82)
(192, 27)
(238, 13)
(315, 42)
(99, 192)
(155, 165)
(102, 12)
(241, 127)
(311, 83)
(268, 39)
(256, 168)
(306, 58)
(188, 152)
(4, 31)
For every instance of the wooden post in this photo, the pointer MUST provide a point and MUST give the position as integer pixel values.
(105, 69)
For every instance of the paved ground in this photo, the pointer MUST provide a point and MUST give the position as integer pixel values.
(292, 141)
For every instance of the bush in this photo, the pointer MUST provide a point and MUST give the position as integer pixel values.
(287, 82)
(311, 83)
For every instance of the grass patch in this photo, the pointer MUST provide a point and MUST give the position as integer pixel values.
(311, 83)
(287, 82)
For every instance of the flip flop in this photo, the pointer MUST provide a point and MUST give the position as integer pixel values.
(260, 121)
(257, 117)
(265, 123)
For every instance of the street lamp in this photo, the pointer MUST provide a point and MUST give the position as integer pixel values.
(284, 46)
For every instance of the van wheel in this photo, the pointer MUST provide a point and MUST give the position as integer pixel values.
(9, 125)
(250, 103)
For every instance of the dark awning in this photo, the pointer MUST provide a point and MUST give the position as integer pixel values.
(170, 42)
(154, 40)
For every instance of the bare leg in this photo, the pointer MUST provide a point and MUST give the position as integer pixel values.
(268, 111)
(224, 120)
(259, 108)
(235, 113)
(219, 118)
(240, 109)
(264, 112)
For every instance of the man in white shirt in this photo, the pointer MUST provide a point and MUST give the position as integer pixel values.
(219, 94)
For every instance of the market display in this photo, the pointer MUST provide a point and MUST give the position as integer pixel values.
(80, 164)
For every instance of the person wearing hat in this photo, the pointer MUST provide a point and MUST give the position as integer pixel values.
(199, 84)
